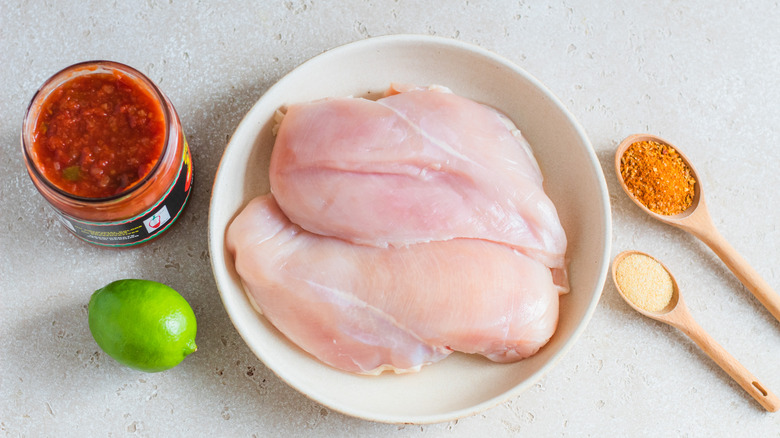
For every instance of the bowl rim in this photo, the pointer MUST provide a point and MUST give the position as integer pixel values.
(217, 251)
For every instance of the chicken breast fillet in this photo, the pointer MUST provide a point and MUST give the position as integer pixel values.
(366, 309)
(413, 167)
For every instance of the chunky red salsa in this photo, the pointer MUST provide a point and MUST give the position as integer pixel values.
(98, 134)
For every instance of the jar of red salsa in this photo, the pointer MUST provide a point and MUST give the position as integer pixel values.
(105, 147)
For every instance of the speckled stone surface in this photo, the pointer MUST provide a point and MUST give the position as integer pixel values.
(702, 74)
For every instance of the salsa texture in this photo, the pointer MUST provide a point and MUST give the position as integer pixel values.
(98, 135)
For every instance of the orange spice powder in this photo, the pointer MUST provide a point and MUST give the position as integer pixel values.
(657, 176)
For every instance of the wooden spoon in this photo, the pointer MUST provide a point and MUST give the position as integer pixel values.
(697, 221)
(677, 315)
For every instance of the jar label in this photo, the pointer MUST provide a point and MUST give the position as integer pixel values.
(145, 226)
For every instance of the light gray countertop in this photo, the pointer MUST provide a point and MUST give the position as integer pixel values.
(701, 74)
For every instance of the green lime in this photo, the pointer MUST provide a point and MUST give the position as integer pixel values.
(142, 324)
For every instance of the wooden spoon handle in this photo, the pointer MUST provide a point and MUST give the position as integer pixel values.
(730, 365)
(740, 267)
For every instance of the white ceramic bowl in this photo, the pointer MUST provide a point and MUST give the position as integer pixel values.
(460, 385)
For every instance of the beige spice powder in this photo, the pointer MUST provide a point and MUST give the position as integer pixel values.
(644, 282)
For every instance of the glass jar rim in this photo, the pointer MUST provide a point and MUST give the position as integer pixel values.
(63, 76)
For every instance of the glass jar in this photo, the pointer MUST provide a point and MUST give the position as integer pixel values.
(75, 154)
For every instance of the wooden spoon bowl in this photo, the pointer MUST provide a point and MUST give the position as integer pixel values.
(697, 204)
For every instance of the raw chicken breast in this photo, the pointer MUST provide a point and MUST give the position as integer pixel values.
(414, 167)
(365, 309)
(401, 230)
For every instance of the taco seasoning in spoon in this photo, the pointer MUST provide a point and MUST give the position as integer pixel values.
(658, 177)
(105, 147)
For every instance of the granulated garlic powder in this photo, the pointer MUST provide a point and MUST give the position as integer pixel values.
(644, 282)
